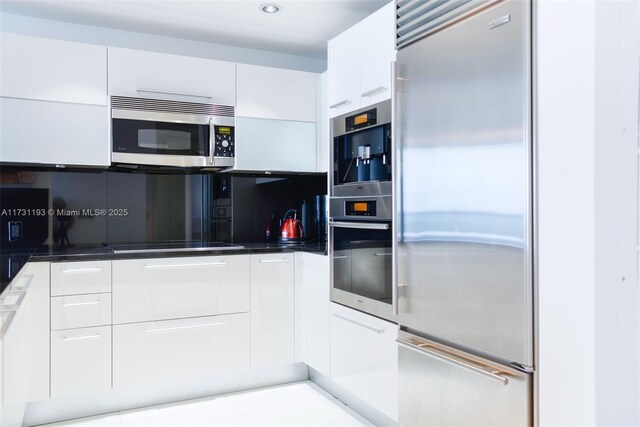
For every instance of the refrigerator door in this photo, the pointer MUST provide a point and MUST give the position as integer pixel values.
(464, 193)
(441, 387)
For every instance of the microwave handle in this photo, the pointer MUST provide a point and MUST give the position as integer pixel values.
(212, 140)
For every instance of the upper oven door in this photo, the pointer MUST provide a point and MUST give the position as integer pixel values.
(160, 138)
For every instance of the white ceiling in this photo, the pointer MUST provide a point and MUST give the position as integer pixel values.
(302, 27)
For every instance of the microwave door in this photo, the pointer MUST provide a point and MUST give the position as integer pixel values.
(159, 138)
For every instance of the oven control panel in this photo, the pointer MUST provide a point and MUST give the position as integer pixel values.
(360, 208)
(224, 141)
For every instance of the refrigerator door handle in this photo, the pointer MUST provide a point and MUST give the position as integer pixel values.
(395, 176)
(491, 373)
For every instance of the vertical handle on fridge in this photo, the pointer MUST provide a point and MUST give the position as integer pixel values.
(395, 199)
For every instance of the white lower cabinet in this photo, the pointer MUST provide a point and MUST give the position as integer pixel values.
(80, 361)
(314, 307)
(178, 350)
(272, 310)
(77, 311)
(173, 288)
(364, 358)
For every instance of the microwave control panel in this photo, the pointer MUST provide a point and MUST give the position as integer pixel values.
(224, 141)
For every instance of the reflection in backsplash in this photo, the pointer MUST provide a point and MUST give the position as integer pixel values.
(95, 207)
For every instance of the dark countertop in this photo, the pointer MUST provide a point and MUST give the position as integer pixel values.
(12, 261)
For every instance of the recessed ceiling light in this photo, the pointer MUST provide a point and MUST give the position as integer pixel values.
(270, 8)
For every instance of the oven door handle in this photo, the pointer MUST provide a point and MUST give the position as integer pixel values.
(360, 225)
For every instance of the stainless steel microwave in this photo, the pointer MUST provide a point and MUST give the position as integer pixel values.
(156, 132)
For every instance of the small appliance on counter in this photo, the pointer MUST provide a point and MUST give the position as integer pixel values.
(291, 228)
(271, 229)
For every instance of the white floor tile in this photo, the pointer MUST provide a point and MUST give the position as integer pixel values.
(109, 420)
(272, 398)
(296, 404)
(180, 414)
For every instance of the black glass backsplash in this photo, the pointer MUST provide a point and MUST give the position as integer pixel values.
(68, 208)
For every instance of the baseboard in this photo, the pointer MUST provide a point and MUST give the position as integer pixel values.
(358, 405)
(56, 410)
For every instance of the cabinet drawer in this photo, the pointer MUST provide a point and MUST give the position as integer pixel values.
(176, 350)
(80, 361)
(356, 336)
(85, 277)
(79, 311)
(173, 288)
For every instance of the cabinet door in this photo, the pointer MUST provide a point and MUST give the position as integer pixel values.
(36, 305)
(355, 337)
(80, 311)
(14, 387)
(344, 72)
(179, 350)
(172, 288)
(80, 277)
(158, 75)
(275, 145)
(316, 312)
(276, 93)
(322, 129)
(52, 70)
(54, 133)
(80, 361)
(377, 52)
(272, 310)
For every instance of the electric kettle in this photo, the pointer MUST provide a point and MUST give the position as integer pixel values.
(291, 229)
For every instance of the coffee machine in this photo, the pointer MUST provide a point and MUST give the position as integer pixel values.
(362, 149)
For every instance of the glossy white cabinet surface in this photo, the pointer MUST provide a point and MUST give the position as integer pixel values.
(52, 70)
(15, 367)
(79, 311)
(344, 72)
(172, 288)
(145, 74)
(175, 350)
(36, 304)
(80, 361)
(315, 308)
(80, 277)
(275, 145)
(377, 47)
(53, 133)
(322, 130)
(272, 310)
(364, 357)
(276, 93)
(359, 62)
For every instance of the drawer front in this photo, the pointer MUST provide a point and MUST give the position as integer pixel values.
(176, 350)
(80, 311)
(80, 361)
(173, 288)
(84, 277)
(356, 336)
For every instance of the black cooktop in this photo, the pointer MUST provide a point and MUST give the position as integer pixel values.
(131, 248)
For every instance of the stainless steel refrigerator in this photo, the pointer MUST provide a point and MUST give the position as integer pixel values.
(463, 196)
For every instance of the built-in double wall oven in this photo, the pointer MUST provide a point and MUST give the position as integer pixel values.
(360, 210)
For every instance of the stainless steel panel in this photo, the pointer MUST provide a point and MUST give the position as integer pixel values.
(439, 386)
(360, 189)
(383, 116)
(464, 212)
(337, 208)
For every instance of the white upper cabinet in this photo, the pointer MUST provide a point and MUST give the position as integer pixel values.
(360, 62)
(52, 70)
(344, 71)
(53, 97)
(144, 74)
(276, 93)
(276, 126)
(377, 52)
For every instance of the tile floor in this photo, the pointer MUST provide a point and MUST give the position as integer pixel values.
(295, 404)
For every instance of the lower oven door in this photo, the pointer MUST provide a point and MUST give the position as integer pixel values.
(361, 266)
